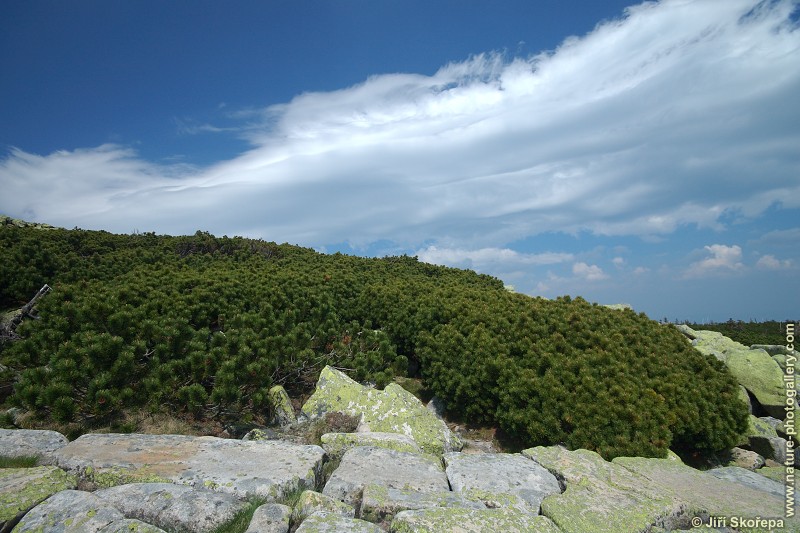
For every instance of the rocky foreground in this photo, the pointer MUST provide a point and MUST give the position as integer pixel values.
(402, 470)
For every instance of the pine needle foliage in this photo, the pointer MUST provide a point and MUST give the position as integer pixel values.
(204, 326)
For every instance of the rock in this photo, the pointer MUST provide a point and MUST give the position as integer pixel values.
(269, 469)
(773, 349)
(472, 520)
(311, 502)
(261, 434)
(23, 488)
(392, 410)
(335, 444)
(601, 496)
(775, 473)
(173, 507)
(380, 503)
(283, 412)
(270, 518)
(436, 406)
(746, 459)
(771, 421)
(31, 443)
(400, 470)
(749, 479)
(501, 474)
(746, 399)
(130, 525)
(686, 330)
(703, 492)
(754, 369)
(334, 523)
(761, 376)
(770, 448)
(69, 511)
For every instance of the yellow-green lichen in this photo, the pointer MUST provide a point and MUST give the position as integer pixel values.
(29, 486)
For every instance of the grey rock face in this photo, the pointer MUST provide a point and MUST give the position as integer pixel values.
(400, 470)
(23, 488)
(130, 525)
(504, 520)
(501, 474)
(746, 459)
(69, 511)
(750, 479)
(382, 503)
(334, 523)
(31, 443)
(267, 469)
(270, 518)
(173, 507)
(281, 406)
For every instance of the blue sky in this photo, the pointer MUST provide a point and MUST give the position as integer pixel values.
(639, 153)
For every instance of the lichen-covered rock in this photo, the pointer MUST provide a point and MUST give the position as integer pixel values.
(173, 507)
(501, 473)
(604, 497)
(283, 412)
(746, 459)
(268, 469)
(750, 479)
(770, 448)
(31, 443)
(380, 503)
(311, 502)
(703, 492)
(776, 473)
(130, 525)
(69, 511)
(472, 520)
(334, 523)
(400, 470)
(24, 488)
(392, 410)
(270, 518)
(335, 444)
(755, 369)
(761, 376)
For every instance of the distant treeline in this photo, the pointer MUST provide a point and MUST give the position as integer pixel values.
(203, 326)
(749, 333)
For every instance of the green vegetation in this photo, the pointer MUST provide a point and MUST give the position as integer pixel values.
(240, 522)
(205, 326)
(748, 333)
(18, 462)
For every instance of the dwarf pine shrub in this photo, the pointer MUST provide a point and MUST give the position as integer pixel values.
(205, 326)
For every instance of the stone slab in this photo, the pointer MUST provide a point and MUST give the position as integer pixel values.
(381, 503)
(268, 469)
(400, 470)
(69, 511)
(173, 507)
(335, 523)
(31, 443)
(270, 518)
(335, 444)
(507, 520)
(24, 488)
(501, 473)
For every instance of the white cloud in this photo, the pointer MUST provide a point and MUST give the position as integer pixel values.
(723, 259)
(675, 114)
(769, 262)
(619, 262)
(588, 272)
(489, 258)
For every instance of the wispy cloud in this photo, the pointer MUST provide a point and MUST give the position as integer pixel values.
(770, 262)
(723, 259)
(675, 114)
